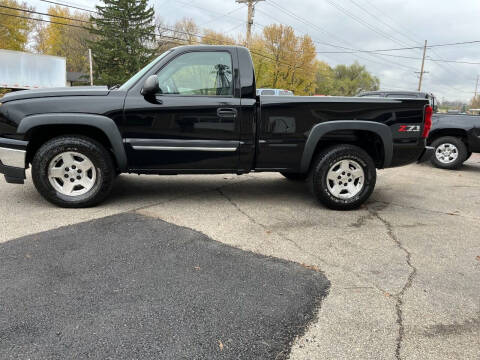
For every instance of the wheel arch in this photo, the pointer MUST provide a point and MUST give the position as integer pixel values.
(347, 131)
(453, 132)
(41, 128)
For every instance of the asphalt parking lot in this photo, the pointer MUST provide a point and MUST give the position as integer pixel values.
(403, 271)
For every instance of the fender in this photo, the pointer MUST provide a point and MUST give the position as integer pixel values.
(319, 130)
(103, 123)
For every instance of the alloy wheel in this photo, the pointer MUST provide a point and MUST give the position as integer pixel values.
(345, 179)
(72, 173)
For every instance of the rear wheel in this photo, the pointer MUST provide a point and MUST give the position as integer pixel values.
(295, 176)
(342, 177)
(73, 171)
(450, 152)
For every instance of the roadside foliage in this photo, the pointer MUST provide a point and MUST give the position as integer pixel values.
(67, 37)
(14, 27)
(124, 36)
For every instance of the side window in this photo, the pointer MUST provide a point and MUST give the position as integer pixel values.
(198, 73)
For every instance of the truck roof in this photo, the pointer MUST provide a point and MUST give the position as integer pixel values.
(208, 47)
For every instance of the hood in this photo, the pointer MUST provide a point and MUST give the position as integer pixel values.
(56, 92)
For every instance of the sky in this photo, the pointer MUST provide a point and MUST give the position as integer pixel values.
(346, 25)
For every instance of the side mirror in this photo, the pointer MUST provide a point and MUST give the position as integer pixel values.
(151, 86)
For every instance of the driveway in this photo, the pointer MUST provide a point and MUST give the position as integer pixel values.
(134, 287)
(404, 270)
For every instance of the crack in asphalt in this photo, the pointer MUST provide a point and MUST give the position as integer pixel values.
(427, 210)
(295, 244)
(398, 296)
(144, 207)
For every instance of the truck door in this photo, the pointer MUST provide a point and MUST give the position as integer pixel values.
(192, 123)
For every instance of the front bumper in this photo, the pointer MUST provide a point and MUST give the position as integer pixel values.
(426, 154)
(12, 160)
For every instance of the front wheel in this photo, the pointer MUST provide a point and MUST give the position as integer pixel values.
(342, 177)
(73, 171)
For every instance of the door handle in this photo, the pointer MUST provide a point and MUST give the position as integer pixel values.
(227, 112)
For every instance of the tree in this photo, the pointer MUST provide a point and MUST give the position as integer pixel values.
(283, 60)
(14, 30)
(344, 80)
(475, 103)
(124, 39)
(66, 38)
(350, 80)
(211, 37)
(183, 32)
(324, 82)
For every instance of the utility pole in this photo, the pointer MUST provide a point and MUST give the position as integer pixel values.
(476, 87)
(90, 62)
(251, 13)
(422, 71)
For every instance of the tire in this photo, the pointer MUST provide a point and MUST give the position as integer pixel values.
(295, 176)
(73, 171)
(360, 180)
(469, 154)
(451, 147)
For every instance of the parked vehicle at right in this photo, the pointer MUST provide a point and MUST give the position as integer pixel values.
(454, 136)
(274, 92)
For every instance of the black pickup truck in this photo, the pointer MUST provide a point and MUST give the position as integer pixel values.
(194, 110)
(453, 136)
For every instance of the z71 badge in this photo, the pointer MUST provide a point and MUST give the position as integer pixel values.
(409, 128)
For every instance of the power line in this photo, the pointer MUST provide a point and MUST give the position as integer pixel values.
(310, 25)
(43, 20)
(45, 14)
(376, 52)
(379, 18)
(218, 18)
(70, 6)
(179, 41)
(442, 63)
(405, 48)
(427, 58)
(208, 10)
(364, 22)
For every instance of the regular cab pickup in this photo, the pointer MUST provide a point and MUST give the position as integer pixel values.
(194, 110)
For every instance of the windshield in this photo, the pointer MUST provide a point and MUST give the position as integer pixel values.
(142, 72)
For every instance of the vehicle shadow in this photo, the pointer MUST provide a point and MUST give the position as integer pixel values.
(167, 188)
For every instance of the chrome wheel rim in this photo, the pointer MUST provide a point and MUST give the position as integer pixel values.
(446, 153)
(345, 179)
(72, 174)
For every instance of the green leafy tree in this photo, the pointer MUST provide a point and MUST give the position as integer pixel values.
(124, 33)
(344, 80)
(324, 82)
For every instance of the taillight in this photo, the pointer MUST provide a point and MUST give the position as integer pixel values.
(428, 121)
